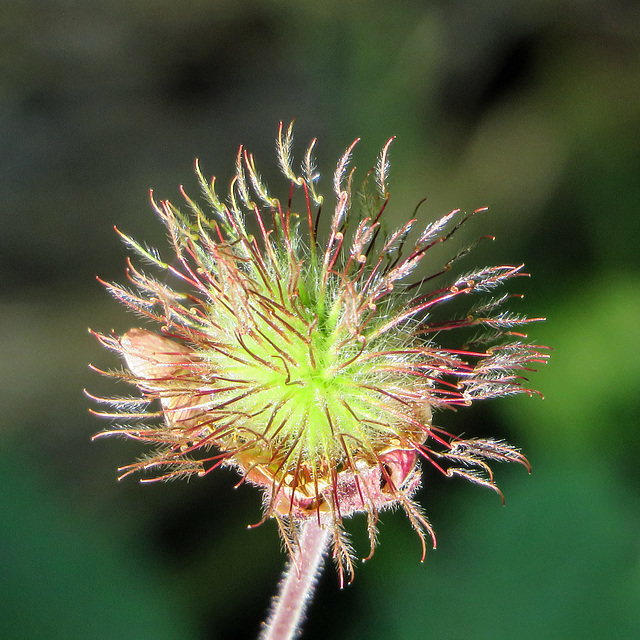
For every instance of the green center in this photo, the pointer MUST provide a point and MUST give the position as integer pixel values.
(297, 394)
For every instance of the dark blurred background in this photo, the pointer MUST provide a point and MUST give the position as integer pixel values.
(531, 108)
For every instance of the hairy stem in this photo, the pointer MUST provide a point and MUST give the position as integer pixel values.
(297, 584)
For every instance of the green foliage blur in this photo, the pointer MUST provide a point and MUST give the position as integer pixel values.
(530, 108)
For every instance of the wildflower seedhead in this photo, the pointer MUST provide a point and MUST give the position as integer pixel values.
(310, 367)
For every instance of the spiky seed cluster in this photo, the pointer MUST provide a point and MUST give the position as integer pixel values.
(307, 366)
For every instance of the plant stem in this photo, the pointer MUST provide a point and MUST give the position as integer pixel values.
(297, 584)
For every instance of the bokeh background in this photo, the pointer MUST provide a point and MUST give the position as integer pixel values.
(531, 108)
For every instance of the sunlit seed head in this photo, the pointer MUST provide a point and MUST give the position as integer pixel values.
(311, 366)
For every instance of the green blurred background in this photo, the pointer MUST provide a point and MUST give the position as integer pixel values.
(531, 108)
